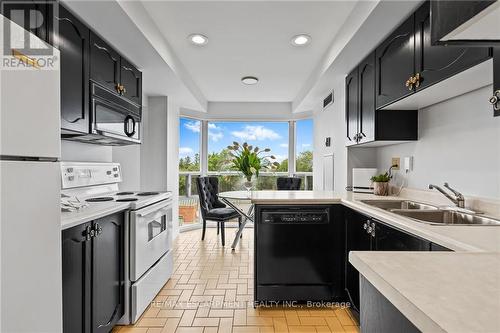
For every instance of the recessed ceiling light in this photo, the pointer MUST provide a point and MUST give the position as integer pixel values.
(301, 40)
(198, 39)
(249, 80)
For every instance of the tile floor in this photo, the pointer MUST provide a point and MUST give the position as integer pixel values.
(211, 291)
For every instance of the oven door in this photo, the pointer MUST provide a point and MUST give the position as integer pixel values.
(114, 117)
(150, 236)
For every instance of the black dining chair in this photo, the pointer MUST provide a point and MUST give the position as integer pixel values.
(288, 183)
(212, 209)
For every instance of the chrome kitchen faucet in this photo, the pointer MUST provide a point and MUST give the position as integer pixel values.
(459, 199)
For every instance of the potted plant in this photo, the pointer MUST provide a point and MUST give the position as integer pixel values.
(249, 161)
(381, 184)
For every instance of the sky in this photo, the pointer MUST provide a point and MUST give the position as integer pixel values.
(273, 135)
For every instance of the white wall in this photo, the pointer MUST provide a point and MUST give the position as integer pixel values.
(331, 122)
(173, 158)
(459, 142)
(241, 111)
(154, 148)
(84, 152)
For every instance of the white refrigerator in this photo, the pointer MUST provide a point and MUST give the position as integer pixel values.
(30, 229)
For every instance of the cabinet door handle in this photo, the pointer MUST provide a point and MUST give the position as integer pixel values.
(417, 79)
(409, 83)
(495, 99)
(88, 233)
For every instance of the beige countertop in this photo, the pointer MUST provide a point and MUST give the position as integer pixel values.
(71, 219)
(457, 238)
(437, 291)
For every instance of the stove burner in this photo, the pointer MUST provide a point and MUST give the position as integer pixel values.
(99, 199)
(124, 193)
(142, 194)
(126, 199)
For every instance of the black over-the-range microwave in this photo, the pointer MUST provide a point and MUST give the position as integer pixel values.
(114, 119)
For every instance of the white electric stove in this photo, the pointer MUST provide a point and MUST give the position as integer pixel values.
(148, 229)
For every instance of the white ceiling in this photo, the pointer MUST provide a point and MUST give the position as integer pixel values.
(249, 38)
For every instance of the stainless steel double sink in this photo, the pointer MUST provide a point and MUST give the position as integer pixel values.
(431, 214)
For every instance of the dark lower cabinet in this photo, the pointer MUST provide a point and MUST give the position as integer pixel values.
(437, 247)
(378, 314)
(73, 44)
(76, 254)
(363, 233)
(390, 239)
(108, 273)
(93, 275)
(356, 239)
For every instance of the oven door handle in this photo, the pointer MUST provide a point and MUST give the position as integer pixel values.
(164, 206)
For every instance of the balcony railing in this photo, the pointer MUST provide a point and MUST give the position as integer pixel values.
(228, 181)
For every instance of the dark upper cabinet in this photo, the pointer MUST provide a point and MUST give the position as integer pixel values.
(93, 275)
(36, 16)
(351, 107)
(357, 239)
(104, 64)
(407, 61)
(131, 81)
(435, 63)
(448, 15)
(495, 99)
(364, 123)
(366, 103)
(76, 251)
(108, 273)
(395, 64)
(390, 239)
(73, 44)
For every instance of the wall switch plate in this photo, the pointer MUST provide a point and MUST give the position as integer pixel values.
(328, 141)
(395, 161)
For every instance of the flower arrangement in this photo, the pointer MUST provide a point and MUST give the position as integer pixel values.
(249, 161)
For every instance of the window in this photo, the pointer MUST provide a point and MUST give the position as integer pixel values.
(189, 144)
(303, 145)
(189, 169)
(272, 135)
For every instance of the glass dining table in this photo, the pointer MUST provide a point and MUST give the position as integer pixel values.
(230, 198)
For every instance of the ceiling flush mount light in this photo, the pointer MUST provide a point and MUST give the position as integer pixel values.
(249, 80)
(301, 40)
(198, 39)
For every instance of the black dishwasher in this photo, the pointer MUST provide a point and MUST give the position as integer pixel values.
(294, 253)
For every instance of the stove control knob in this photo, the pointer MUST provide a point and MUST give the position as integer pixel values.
(71, 178)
